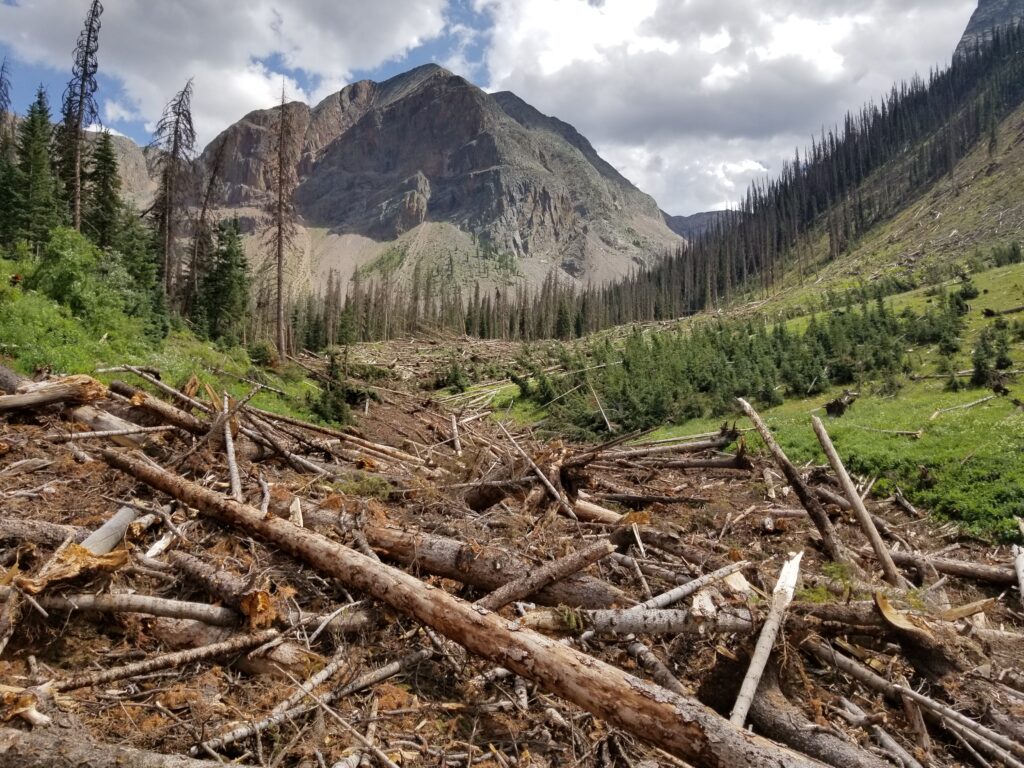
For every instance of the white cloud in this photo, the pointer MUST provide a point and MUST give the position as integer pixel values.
(692, 99)
(154, 47)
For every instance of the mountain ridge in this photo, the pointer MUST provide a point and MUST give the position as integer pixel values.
(376, 161)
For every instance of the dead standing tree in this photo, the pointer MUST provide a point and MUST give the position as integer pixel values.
(280, 233)
(176, 140)
(79, 108)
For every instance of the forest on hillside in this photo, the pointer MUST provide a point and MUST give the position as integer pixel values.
(174, 263)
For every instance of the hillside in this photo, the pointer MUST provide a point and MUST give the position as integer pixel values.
(976, 208)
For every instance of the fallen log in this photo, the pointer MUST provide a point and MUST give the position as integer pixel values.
(994, 574)
(545, 575)
(892, 574)
(739, 463)
(681, 726)
(151, 606)
(830, 540)
(637, 622)
(229, 647)
(782, 596)
(774, 716)
(1018, 567)
(716, 443)
(56, 748)
(480, 566)
(40, 532)
(159, 409)
(77, 390)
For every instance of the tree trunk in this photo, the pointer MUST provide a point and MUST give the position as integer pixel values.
(774, 716)
(681, 726)
(483, 567)
(55, 748)
(70, 389)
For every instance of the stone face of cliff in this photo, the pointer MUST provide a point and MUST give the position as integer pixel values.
(990, 14)
(379, 161)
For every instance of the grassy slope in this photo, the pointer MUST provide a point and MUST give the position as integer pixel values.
(938, 231)
(38, 334)
(966, 466)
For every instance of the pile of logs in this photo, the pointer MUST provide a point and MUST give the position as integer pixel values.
(190, 581)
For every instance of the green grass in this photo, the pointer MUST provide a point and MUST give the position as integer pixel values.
(37, 334)
(966, 466)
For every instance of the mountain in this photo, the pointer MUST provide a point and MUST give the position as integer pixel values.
(990, 15)
(694, 225)
(428, 169)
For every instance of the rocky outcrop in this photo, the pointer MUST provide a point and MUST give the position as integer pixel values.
(990, 15)
(380, 160)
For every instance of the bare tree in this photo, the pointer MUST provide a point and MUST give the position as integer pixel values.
(79, 108)
(176, 140)
(281, 232)
(5, 94)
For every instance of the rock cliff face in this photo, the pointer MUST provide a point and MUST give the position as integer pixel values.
(990, 14)
(386, 161)
(692, 226)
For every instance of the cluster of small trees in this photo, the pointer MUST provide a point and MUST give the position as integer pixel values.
(671, 377)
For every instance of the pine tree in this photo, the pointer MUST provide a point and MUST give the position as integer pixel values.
(35, 185)
(79, 109)
(103, 193)
(136, 245)
(224, 293)
(176, 139)
(8, 207)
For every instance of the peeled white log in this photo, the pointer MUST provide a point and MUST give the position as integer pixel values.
(781, 598)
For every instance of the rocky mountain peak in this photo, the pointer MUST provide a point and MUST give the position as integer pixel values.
(428, 150)
(990, 15)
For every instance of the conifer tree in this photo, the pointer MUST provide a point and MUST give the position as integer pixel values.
(225, 291)
(202, 237)
(79, 109)
(35, 184)
(176, 139)
(103, 193)
(8, 210)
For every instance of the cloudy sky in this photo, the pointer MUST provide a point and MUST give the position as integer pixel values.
(691, 99)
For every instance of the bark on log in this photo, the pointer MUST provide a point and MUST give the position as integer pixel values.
(78, 390)
(101, 421)
(830, 540)
(40, 532)
(994, 574)
(716, 443)
(159, 409)
(680, 726)
(484, 567)
(775, 717)
(151, 606)
(55, 748)
(549, 573)
(229, 647)
(634, 622)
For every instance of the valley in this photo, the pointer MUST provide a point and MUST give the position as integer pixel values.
(401, 429)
